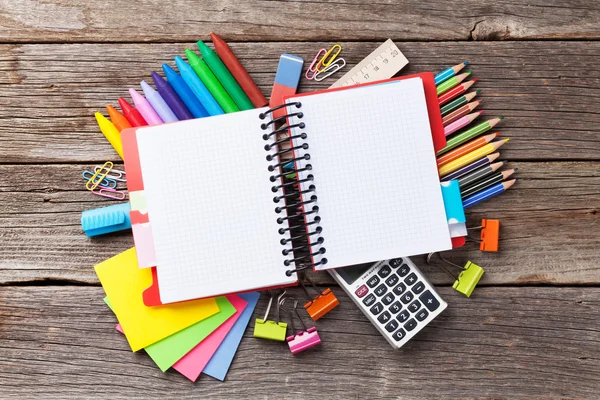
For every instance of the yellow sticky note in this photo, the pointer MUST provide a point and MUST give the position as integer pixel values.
(124, 283)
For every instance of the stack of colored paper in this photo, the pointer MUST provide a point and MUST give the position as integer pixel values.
(192, 337)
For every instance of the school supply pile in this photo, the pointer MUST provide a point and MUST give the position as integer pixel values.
(228, 196)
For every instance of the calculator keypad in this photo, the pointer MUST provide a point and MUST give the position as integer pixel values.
(392, 280)
(387, 299)
(381, 290)
(373, 281)
(384, 271)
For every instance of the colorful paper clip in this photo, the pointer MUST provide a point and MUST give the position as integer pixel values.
(106, 182)
(113, 174)
(110, 193)
(313, 65)
(99, 176)
(303, 340)
(330, 70)
(490, 233)
(272, 330)
(322, 303)
(326, 62)
(468, 278)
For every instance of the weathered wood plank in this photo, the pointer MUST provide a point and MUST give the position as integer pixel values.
(549, 227)
(500, 343)
(258, 20)
(49, 92)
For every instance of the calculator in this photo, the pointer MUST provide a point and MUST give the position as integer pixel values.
(394, 295)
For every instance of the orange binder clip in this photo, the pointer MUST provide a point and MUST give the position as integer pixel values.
(322, 303)
(490, 233)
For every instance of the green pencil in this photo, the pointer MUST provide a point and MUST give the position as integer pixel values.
(212, 83)
(469, 134)
(224, 76)
(459, 102)
(450, 83)
(497, 177)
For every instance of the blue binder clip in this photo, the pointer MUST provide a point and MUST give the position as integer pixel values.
(106, 219)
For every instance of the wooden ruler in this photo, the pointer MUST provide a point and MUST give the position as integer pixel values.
(383, 63)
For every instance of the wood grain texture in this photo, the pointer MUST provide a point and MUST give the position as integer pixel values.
(60, 342)
(259, 20)
(549, 227)
(49, 92)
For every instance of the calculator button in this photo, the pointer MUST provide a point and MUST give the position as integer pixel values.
(395, 262)
(376, 309)
(429, 300)
(369, 300)
(407, 297)
(381, 290)
(414, 306)
(400, 289)
(387, 299)
(392, 326)
(410, 324)
(373, 281)
(361, 291)
(384, 317)
(384, 271)
(399, 335)
(392, 280)
(421, 315)
(403, 316)
(396, 307)
(404, 270)
(418, 288)
(411, 279)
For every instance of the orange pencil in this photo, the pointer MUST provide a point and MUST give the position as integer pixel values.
(466, 148)
(470, 157)
(461, 112)
(118, 119)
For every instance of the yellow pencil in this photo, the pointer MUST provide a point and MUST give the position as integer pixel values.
(470, 157)
(110, 132)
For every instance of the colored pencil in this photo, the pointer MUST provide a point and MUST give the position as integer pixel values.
(469, 134)
(184, 92)
(487, 160)
(470, 157)
(452, 82)
(460, 112)
(110, 133)
(198, 88)
(145, 108)
(458, 102)
(158, 103)
(168, 93)
(131, 113)
(461, 123)
(449, 72)
(466, 148)
(488, 193)
(238, 71)
(479, 173)
(456, 91)
(487, 182)
(118, 119)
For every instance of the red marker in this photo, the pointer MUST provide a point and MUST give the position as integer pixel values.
(131, 113)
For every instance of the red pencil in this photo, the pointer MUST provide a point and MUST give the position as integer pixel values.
(131, 113)
(238, 71)
(461, 112)
(455, 91)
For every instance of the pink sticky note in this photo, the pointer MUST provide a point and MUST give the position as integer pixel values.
(192, 364)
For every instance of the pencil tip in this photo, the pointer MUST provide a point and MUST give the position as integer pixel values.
(475, 80)
(469, 72)
(515, 169)
(501, 118)
(466, 63)
(481, 112)
(478, 91)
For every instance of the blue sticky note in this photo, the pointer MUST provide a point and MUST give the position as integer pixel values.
(220, 362)
(455, 212)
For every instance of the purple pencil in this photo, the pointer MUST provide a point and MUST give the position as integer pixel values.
(171, 98)
(470, 167)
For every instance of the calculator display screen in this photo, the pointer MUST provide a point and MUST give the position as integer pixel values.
(352, 273)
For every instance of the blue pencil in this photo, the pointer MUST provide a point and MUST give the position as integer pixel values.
(448, 73)
(196, 85)
(488, 193)
(184, 92)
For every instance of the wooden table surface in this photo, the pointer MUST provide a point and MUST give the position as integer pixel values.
(531, 328)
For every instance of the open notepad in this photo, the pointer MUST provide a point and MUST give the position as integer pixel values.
(368, 180)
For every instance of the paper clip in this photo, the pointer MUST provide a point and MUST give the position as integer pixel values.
(115, 174)
(272, 330)
(489, 237)
(330, 70)
(313, 65)
(303, 340)
(110, 193)
(95, 180)
(468, 278)
(324, 62)
(322, 303)
(106, 182)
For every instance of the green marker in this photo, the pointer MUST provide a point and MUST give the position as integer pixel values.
(227, 80)
(212, 83)
(450, 83)
(469, 134)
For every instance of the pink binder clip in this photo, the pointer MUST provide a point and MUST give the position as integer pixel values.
(304, 339)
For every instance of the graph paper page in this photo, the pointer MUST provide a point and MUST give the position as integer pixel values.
(375, 173)
(211, 206)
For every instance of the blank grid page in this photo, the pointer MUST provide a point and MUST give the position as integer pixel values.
(375, 173)
(210, 206)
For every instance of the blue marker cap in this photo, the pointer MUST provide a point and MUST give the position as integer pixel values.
(106, 219)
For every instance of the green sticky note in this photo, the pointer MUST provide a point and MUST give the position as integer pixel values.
(168, 351)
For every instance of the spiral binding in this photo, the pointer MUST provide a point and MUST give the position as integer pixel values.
(299, 229)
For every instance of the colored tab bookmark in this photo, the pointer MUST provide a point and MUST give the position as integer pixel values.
(287, 77)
